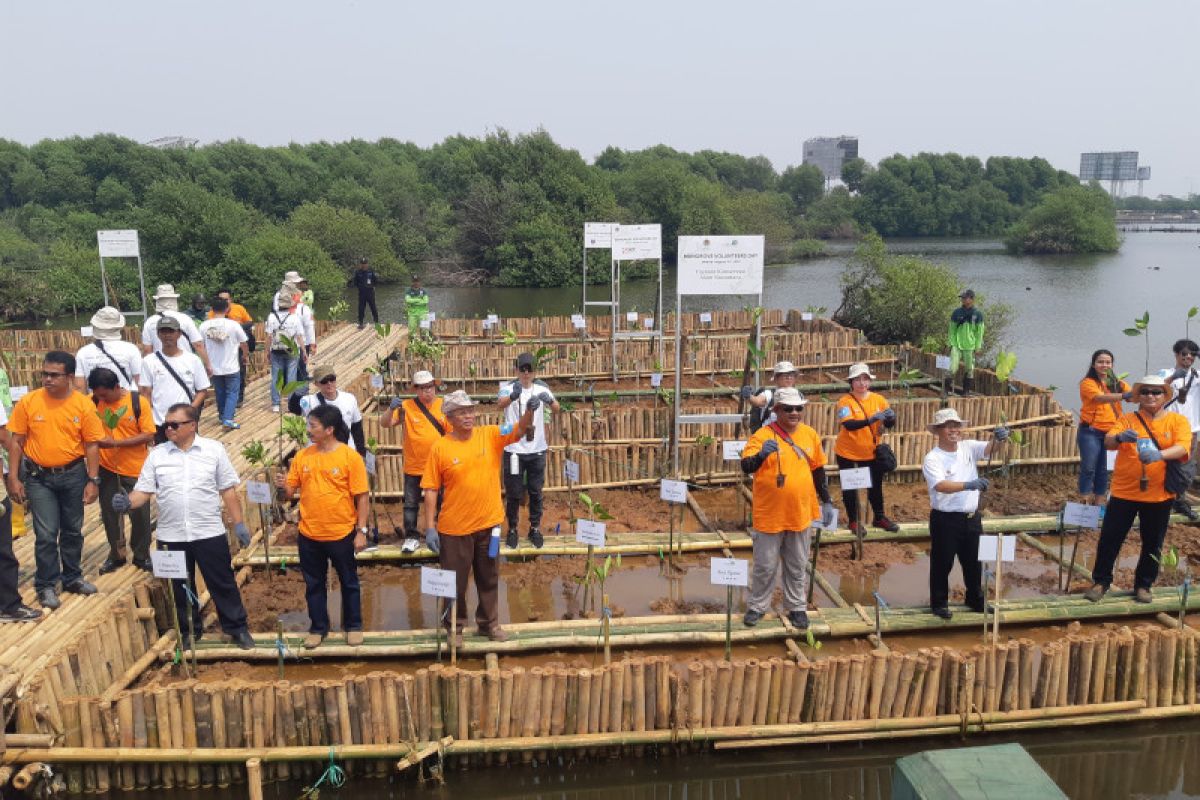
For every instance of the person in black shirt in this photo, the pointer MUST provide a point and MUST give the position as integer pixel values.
(364, 279)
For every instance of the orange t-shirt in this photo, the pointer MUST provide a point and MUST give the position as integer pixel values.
(1169, 429)
(1100, 416)
(55, 430)
(126, 461)
(858, 445)
(794, 506)
(470, 473)
(237, 312)
(419, 433)
(328, 484)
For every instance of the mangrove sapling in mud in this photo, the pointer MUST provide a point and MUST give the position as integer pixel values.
(595, 512)
(599, 575)
(1141, 327)
(338, 309)
(257, 456)
(1176, 567)
(906, 378)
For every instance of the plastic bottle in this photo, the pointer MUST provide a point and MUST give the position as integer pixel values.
(494, 544)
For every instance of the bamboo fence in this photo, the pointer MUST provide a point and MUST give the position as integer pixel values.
(601, 325)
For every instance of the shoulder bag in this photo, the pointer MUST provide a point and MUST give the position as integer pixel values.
(1179, 473)
(885, 457)
(190, 394)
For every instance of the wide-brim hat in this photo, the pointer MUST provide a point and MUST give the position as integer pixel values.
(790, 396)
(165, 290)
(422, 377)
(107, 323)
(1155, 381)
(455, 401)
(292, 277)
(321, 373)
(285, 298)
(859, 369)
(783, 368)
(944, 416)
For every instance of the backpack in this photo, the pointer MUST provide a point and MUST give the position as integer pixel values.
(759, 416)
(277, 344)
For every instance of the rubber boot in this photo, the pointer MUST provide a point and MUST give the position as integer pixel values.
(968, 387)
(947, 386)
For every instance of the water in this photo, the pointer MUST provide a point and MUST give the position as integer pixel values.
(1067, 306)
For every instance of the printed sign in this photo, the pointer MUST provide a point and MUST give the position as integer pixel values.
(710, 265)
(656, 379)
(673, 491)
(117, 244)
(729, 572)
(169, 563)
(493, 319)
(432, 316)
(438, 582)
(597, 235)
(578, 321)
(17, 392)
(634, 242)
(425, 324)
(648, 323)
(705, 318)
(631, 316)
(370, 461)
(376, 381)
(987, 548)
(806, 316)
(855, 478)
(258, 492)
(732, 451)
(85, 331)
(1110, 455)
(571, 470)
(1081, 514)
(942, 362)
(589, 531)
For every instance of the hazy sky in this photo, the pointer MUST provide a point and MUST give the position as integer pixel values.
(1050, 78)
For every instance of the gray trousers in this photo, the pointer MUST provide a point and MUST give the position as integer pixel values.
(792, 548)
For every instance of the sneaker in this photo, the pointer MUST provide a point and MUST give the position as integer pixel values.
(275, 409)
(354, 638)
(942, 612)
(80, 587)
(1096, 593)
(1182, 507)
(886, 524)
(1143, 596)
(511, 541)
(231, 425)
(111, 565)
(410, 545)
(535, 538)
(313, 641)
(751, 618)
(856, 530)
(21, 614)
(799, 619)
(48, 598)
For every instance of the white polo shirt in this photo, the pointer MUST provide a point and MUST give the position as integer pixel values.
(161, 387)
(514, 410)
(222, 337)
(1189, 406)
(187, 485)
(124, 353)
(344, 402)
(941, 465)
(189, 333)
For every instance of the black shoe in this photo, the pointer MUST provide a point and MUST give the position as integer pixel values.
(751, 619)
(976, 606)
(511, 541)
(111, 565)
(535, 538)
(48, 598)
(1182, 507)
(144, 564)
(886, 524)
(80, 587)
(943, 612)
(799, 619)
(244, 640)
(21, 614)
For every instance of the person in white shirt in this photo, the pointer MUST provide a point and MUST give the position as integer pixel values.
(108, 350)
(224, 340)
(292, 288)
(525, 460)
(328, 395)
(954, 524)
(762, 402)
(192, 478)
(172, 376)
(166, 304)
(1187, 402)
(284, 322)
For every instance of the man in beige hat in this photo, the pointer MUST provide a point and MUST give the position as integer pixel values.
(166, 304)
(424, 422)
(762, 401)
(464, 466)
(108, 349)
(954, 526)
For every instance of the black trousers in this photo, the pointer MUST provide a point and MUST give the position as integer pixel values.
(530, 477)
(1118, 519)
(315, 558)
(212, 556)
(954, 534)
(414, 500)
(366, 297)
(10, 598)
(874, 494)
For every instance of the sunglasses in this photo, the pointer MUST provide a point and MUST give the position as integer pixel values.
(1151, 392)
(174, 426)
(330, 379)
(525, 368)
(790, 409)
(52, 375)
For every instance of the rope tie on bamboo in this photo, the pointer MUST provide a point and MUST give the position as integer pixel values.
(333, 775)
(191, 597)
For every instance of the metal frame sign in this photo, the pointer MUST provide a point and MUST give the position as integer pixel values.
(636, 242)
(721, 265)
(118, 244)
(597, 235)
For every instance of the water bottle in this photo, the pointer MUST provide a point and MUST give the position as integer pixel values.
(494, 544)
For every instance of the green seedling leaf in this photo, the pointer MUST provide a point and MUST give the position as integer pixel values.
(704, 440)
(372, 444)
(1006, 362)
(1193, 311)
(1132, 332)
(383, 329)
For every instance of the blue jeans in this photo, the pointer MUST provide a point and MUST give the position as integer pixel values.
(282, 362)
(1093, 460)
(227, 387)
(56, 502)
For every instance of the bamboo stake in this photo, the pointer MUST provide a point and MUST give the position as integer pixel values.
(736, 690)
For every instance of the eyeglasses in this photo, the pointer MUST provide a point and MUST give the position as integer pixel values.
(525, 368)
(1151, 392)
(174, 426)
(790, 409)
(330, 379)
(52, 375)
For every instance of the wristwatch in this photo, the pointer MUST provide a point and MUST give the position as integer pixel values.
(364, 530)
(95, 480)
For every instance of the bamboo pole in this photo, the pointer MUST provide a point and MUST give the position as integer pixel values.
(254, 778)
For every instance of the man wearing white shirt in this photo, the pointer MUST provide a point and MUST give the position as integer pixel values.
(108, 350)
(225, 340)
(166, 305)
(954, 524)
(524, 464)
(328, 395)
(762, 402)
(192, 478)
(1187, 402)
(172, 376)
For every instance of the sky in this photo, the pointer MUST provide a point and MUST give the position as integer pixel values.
(1052, 78)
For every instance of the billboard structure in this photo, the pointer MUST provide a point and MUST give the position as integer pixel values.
(1116, 167)
(828, 153)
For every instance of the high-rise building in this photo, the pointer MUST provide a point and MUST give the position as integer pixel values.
(828, 153)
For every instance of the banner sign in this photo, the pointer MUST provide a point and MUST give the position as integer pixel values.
(118, 244)
(636, 242)
(720, 265)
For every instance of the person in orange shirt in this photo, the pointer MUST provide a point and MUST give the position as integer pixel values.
(54, 462)
(331, 478)
(465, 465)
(122, 453)
(859, 412)
(789, 495)
(424, 423)
(1100, 396)
(1144, 440)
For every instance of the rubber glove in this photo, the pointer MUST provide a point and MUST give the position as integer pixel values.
(1001, 433)
(242, 533)
(1149, 455)
(432, 541)
(976, 485)
(769, 446)
(120, 503)
(396, 403)
(747, 392)
(1128, 436)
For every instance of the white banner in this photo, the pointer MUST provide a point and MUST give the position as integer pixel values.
(635, 242)
(598, 235)
(711, 265)
(118, 244)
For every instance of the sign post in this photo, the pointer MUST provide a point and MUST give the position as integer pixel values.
(596, 236)
(729, 572)
(635, 243)
(997, 548)
(169, 566)
(121, 244)
(441, 583)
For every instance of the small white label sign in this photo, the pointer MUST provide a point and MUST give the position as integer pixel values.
(674, 491)
(493, 319)
(370, 461)
(578, 321)
(376, 381)
(438, 582)
(942, 362)
(432, 316)
(1110, 456)
(648, 323)
(732, 451)
(1081, 514)
(705, 318)
(571, 470)
(631, 316)
(589, 531)
(86, 330)
(258, 492)
(17, 392)
(987, 548)
(656, 379)
(859, 478)
(169, 563)
(729, 572)
(806, 316)
(425, 324)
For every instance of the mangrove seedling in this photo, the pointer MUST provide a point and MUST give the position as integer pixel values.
(811, 640)
(1188, 322)
(906, 378)
(599, 575)
(595, 511)
(704, 440)
(285, 388)
(258, 456)
(1141, 327)
(338, 309)
(296, 430)
(509, 336)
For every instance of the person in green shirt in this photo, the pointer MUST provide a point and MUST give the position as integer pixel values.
(966, 339)
(416, 303)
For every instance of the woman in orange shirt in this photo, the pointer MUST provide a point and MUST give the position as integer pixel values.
(1144, 440)
(862, 415)
(1100, 396)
